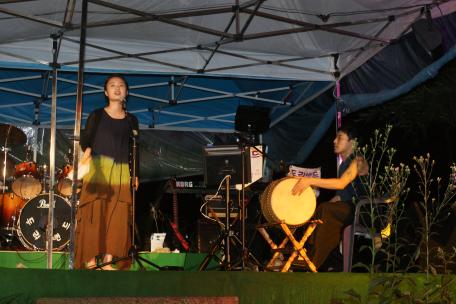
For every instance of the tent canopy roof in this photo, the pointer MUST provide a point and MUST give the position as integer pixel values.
(280, 39)
(191, 63)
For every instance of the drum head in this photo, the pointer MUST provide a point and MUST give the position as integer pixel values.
(33, 221)
(278, 204)
(27, 186)
(64, 187)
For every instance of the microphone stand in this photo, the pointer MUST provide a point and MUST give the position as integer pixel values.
(133, 186)
(244, 144)
(133, 252)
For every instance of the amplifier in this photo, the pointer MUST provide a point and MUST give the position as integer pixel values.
(216, 207)
(208, 233)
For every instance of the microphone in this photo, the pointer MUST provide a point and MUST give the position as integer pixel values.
(135, 133)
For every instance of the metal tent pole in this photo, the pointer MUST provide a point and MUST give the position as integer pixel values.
(336, 74)
(77, 127)
(50, 221)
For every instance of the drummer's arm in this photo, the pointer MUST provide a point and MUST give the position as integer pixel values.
(327, 183)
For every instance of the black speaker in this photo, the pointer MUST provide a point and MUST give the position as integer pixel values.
(252, 119)
(208, 233)
(220, 161)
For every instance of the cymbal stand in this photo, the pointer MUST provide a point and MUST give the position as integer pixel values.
(4, 169)
(6, 234)
(5, 148)
(8, 240)
(45, 184)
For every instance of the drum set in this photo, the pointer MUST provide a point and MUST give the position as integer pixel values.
(24, 197)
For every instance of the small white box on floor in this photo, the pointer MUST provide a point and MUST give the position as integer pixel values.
(156, 241)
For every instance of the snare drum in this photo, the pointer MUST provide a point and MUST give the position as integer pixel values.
(63, 186)
(278, 204)
(33, 220)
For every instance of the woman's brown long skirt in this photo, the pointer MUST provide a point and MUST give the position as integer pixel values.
(103, 219)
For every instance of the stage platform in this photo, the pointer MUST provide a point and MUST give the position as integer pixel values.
(38, 260)
(28, 283)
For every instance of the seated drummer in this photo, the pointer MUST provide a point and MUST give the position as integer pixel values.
(338, 212)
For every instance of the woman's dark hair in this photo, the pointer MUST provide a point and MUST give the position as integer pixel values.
(115, 76)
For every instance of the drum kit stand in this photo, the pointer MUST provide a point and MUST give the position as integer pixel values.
(24, 202)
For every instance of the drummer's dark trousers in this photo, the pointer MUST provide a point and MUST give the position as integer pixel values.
(327, 236)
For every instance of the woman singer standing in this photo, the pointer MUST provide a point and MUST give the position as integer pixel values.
(103, 219)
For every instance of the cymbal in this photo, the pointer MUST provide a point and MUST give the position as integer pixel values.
(11, 135)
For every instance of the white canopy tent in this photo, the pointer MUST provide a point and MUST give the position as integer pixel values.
(313, 41)
(279, 39)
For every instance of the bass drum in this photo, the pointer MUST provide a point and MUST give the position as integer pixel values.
(33, 220)
(278, 204)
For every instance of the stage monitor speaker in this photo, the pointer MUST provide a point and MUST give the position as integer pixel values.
(252, 119)
(220, 161)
